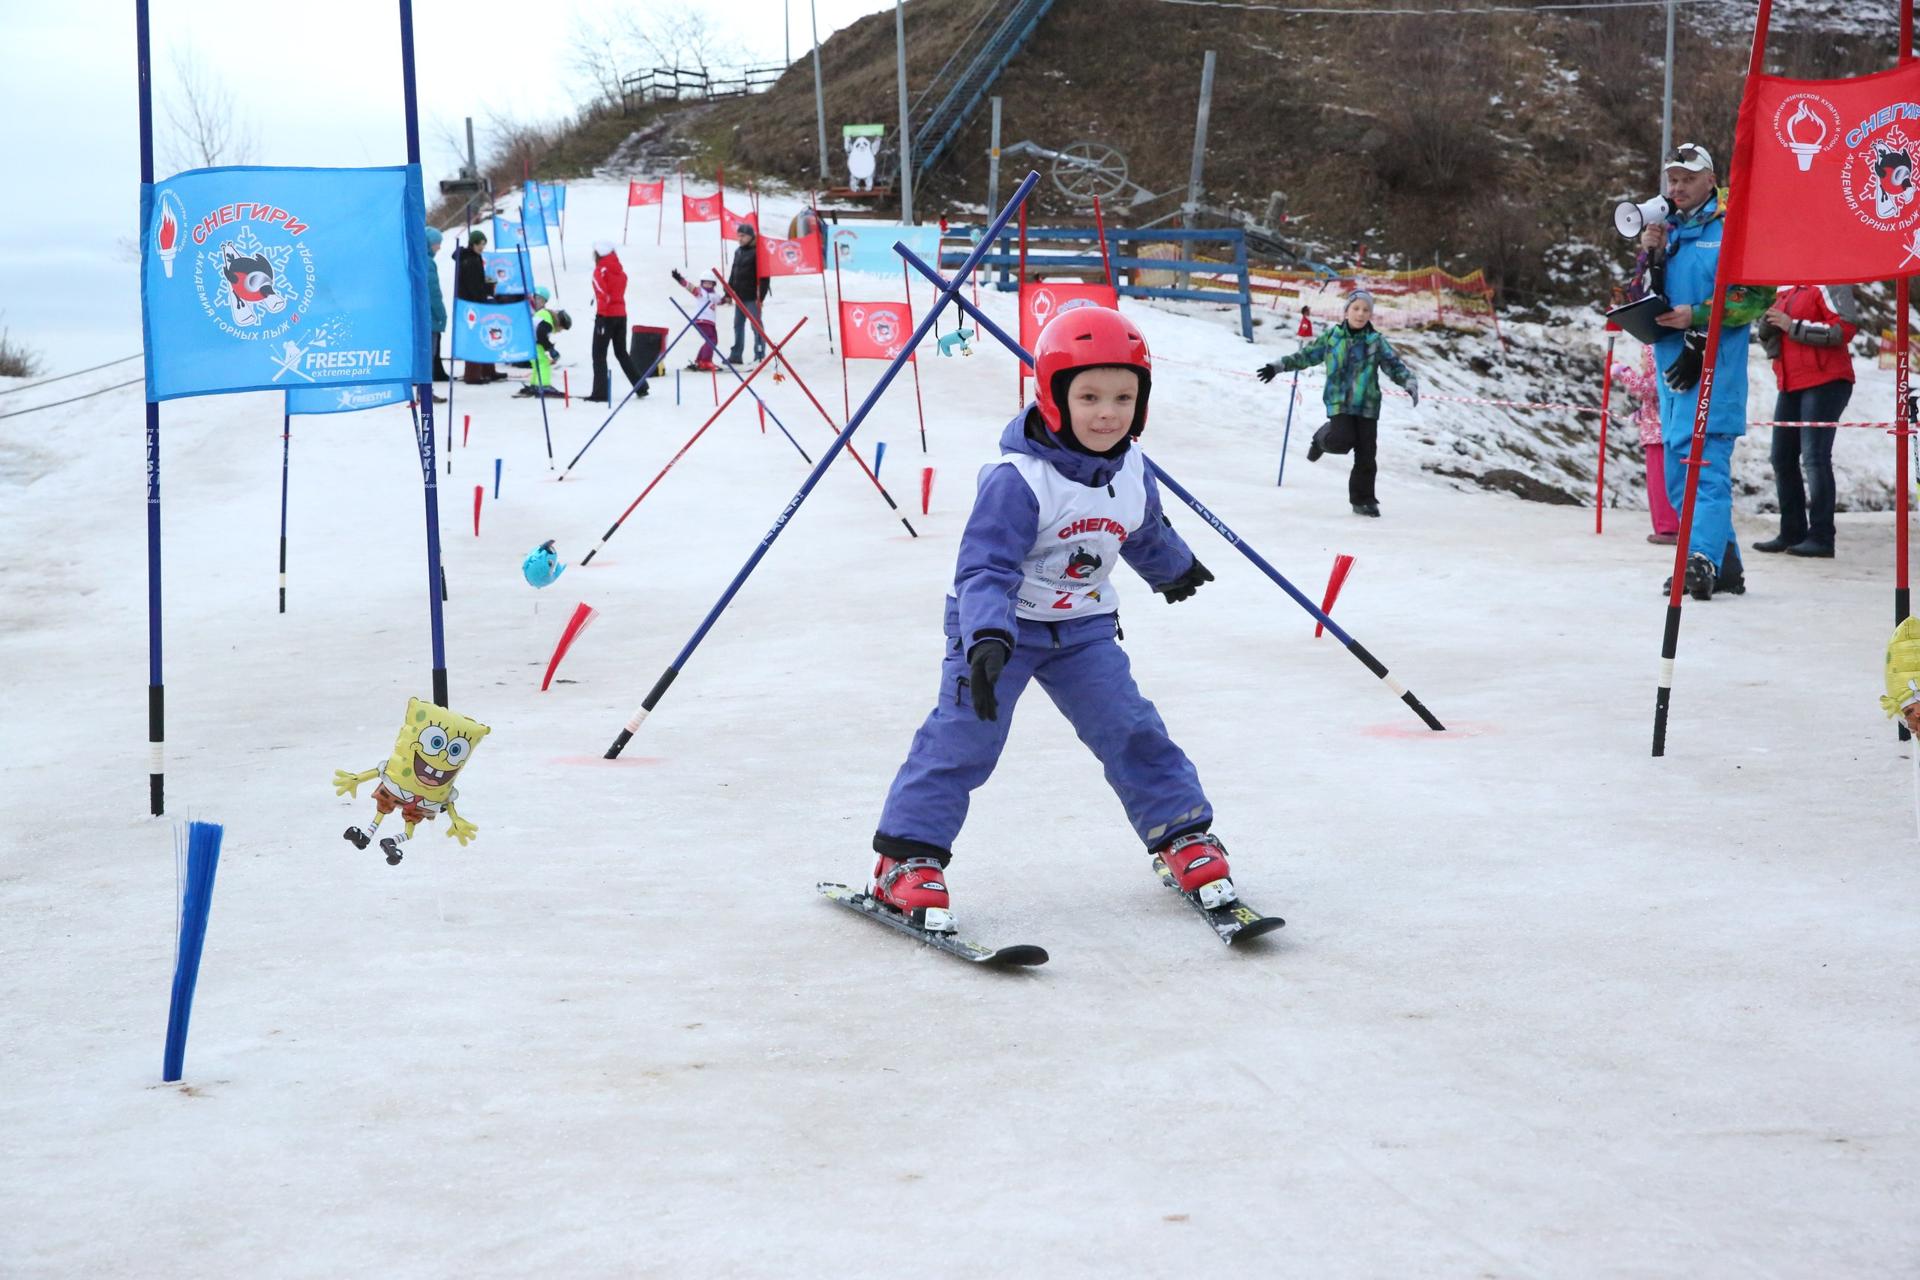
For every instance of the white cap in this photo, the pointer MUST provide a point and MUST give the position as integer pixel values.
(1690, 156)
(603, 247)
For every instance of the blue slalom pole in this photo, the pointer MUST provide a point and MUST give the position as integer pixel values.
(1293, 393)
(879, 456)
(196, 900)
(286, 439)
(423, 392)
(496, 479)
(156, 685)
(632, 391)
(1219, 526)
(750, 391)
(948, 293)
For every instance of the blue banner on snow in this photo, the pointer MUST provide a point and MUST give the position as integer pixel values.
(505, 272)
(492, 332)
(255, 278)
(868, 246)
(346, 399)
(506, 232)
(550, 198)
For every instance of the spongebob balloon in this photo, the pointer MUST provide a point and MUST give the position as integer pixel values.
(417, 779)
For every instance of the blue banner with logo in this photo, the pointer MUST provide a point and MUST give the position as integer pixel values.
(346, 399)
(255, 279)
(506, 232)
(868, 246)
(547, 197)
(492, 332)
(505, 271)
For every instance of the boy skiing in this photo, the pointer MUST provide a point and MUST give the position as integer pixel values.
(1031, 600)
(1353, 352)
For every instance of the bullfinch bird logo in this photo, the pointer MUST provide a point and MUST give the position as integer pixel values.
(1893, 187)
(250, 277)
(1081, 564)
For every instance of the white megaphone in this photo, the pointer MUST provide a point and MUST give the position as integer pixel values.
(1630, 219)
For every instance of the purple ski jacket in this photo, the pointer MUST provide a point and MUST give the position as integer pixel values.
(1006, 525)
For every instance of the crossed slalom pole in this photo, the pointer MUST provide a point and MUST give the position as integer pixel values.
(948, 293)
(632, 391)
(1220, 527)
(824, 415)
(757, 398)
(713, 418)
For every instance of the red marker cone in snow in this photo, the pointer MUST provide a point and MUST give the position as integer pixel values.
(479, 492)
(926, 488)
(582, 615)
(1336, 580)
(466, 426)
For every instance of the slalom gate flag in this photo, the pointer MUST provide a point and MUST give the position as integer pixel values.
(639, 193)
(700, 208)
(868, 246)
(789, 257)
(875, 330)
(547, 199)
(1825, 171)
(346, 399)
(505, 271)
(506, 233)
(1039, 303)
(492, 332)
(731, 221)
(255, 278)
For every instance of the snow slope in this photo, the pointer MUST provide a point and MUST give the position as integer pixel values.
(1545, 1006)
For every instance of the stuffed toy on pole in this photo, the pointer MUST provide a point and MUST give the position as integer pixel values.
(947, 294)
(1358, 650)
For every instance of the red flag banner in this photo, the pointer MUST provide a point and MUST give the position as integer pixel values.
(1039, 303)
(800, 257)
(699, 208)
(731, 222)
(639, 193)
(875, 330)
(1826, 190)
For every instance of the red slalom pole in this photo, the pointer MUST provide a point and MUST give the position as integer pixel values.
(479, 492)
(715, 417)
(918, 407)
(1335, 580)
(1606, 395)
(582, 614)
(926, 488)
(566, 390)
(466, 426)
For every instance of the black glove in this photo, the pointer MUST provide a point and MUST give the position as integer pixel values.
(677, 277)
(1267, 372)
(1684, 373)
(988, 659)
(1186, 584)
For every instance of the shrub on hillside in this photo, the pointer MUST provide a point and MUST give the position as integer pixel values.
(16, 361)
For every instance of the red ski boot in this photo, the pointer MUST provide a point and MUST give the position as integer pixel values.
(1199, 866)
(917, 889)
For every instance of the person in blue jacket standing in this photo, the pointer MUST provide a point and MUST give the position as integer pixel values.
(1686, 253)
(1032, 600)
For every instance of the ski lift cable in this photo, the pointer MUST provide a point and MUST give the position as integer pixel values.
(54, 404)
(28, 386)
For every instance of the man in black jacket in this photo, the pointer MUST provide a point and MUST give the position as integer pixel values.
(751, 288)
(470, 284)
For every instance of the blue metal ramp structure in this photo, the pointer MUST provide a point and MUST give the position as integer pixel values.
(946, 105)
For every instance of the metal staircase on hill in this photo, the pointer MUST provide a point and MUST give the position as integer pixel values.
(946, 105)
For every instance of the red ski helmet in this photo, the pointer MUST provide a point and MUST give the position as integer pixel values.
(1086, 338)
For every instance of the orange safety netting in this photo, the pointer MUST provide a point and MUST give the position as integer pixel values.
(1401, 299)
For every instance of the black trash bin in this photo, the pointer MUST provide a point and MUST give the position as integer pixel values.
(648, 344)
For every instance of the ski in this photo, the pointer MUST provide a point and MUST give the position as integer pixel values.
(1234, 922)
(952, 944)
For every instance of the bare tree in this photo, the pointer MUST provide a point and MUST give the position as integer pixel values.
(203, 125)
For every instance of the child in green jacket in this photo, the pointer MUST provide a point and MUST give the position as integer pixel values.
(1353, 353)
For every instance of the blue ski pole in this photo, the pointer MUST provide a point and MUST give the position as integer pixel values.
(1219, 526)
(1293, 394)
(948, 293)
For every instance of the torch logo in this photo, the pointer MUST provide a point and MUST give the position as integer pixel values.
(169, 229)
(1806, 124)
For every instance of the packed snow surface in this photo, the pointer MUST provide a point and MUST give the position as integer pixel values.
(1545, 1005)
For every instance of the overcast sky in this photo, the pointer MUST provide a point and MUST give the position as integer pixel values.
(320, 85)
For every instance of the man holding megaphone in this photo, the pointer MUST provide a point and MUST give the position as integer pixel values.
(1684, 247)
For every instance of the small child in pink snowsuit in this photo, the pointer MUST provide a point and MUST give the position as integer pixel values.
(709, 294)
(1643, 385)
